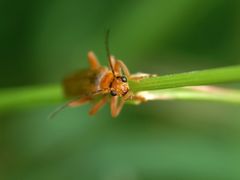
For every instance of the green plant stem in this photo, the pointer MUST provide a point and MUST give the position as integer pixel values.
(195, 78)
(26, 97)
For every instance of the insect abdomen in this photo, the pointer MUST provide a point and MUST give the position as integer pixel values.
(80, 83)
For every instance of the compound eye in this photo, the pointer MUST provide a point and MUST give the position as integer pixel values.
(113, 93)
(124, 79)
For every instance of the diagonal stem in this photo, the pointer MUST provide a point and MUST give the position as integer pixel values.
(195, 78)
(27, 97)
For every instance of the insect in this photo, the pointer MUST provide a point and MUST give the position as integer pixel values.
(99, 80)
(108, 83)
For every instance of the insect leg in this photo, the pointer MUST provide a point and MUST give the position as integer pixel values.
(97, 106)
(117, 68)
(115, 106)
(113, 62)
(119, 64)
(93, 61)
(79, 102)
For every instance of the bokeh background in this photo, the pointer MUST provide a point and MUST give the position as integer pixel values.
(42, 41)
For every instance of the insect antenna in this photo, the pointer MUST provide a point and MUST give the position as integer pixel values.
(108, 51)
(61, 108)
(65, 105)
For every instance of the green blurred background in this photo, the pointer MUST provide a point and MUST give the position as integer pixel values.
(42, 41)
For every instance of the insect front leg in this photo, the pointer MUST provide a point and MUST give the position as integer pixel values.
(120, 65)
(93, 60)
(115, 106)
(97, 106)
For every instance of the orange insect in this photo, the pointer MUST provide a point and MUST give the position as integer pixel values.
(97, 81)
